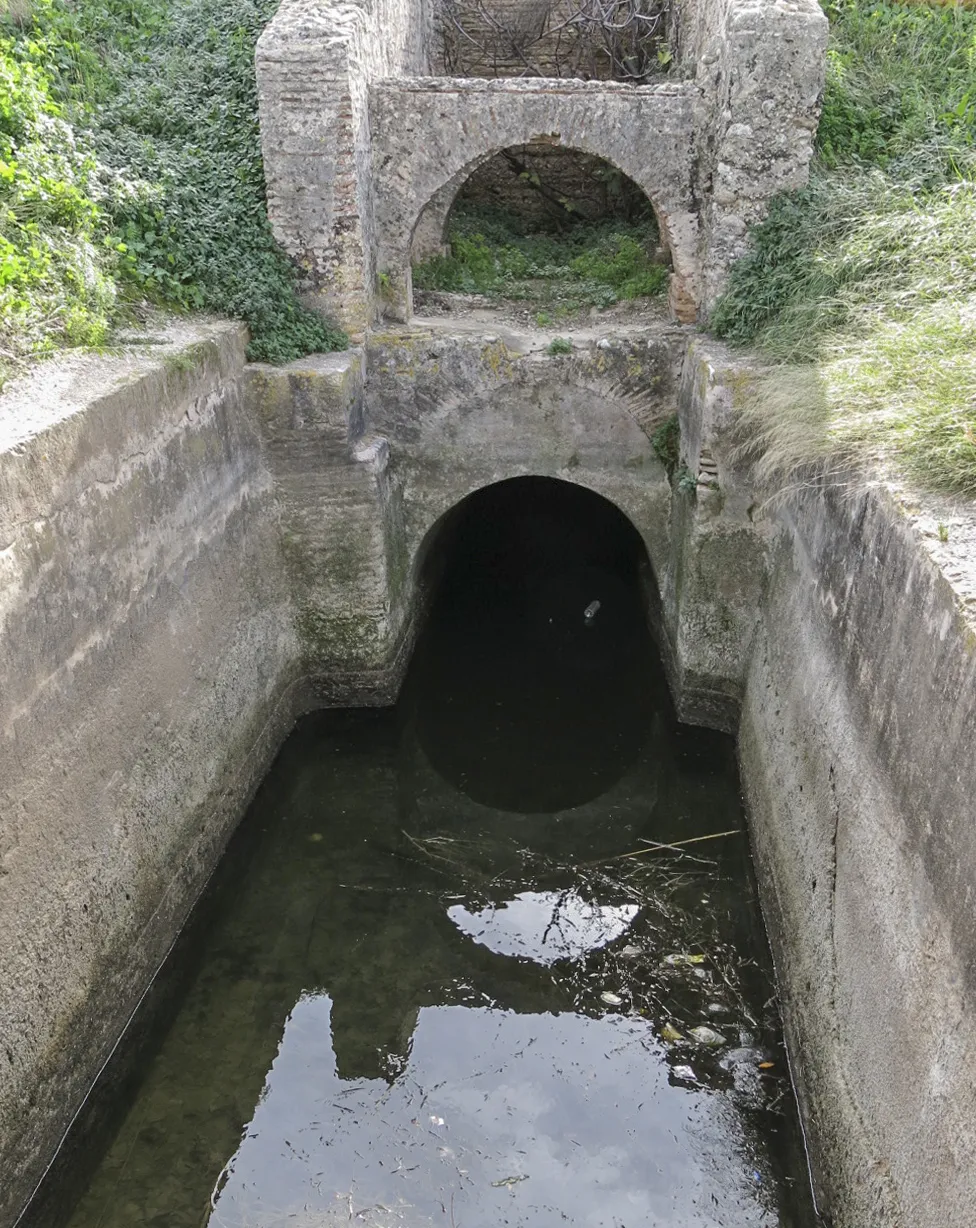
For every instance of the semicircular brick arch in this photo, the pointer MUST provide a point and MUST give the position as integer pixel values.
(429, 135)
(430, 228)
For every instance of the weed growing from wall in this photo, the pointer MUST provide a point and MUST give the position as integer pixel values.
(143, 115)
(862, 286)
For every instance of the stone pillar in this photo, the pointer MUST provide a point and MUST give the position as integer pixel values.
(312, 87)
(331, 487)
(760, 71)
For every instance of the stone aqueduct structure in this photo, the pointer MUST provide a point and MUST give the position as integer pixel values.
(195, 549)
(364, 148)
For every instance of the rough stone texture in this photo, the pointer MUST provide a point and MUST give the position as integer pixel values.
(759, 73)
(354, 162)
(573, 176)
(148, 671)
(314, 63)
(432, 134)
(460, 411)
(713, 584)
(333, 499)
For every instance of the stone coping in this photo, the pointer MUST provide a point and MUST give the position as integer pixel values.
(531, 85)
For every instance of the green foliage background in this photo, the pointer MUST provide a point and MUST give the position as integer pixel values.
(563, 269)
(130, 169)
(863, 284)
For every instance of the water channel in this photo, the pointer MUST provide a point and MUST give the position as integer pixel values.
(445, 973)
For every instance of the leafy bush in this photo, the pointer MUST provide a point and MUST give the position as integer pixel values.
(151, 115)
(56, 283)
(560, 345)
(586, 264)
(868, 275)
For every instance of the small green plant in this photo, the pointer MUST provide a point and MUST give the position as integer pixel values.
(685, 480)
(666, 442)
(560, 345)
(943, 531)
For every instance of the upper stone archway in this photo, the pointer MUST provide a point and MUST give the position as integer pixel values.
(430, 135)
(357, 138)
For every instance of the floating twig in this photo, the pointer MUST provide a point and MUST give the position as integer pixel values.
(655, 846)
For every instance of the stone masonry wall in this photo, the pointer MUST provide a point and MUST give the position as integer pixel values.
(759, 71)
(340, 88)
(314, 63)
(432, 134)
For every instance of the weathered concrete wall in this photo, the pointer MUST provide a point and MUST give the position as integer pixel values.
(192, 551)
(856, 745)
(457, 412)
(149, 671)
(335, 522)
(713, 582)
(853, 656)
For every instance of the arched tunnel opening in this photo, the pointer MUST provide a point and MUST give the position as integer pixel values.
(536, 678)
(554, 234)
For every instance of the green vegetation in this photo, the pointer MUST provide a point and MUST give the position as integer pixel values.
(666, 442)
(862, 287)
(560, 345)
(583, 264)
(130, 171)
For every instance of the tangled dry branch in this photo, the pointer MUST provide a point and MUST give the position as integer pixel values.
(617, 40)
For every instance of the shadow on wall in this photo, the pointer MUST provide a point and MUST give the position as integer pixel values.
(538, 614)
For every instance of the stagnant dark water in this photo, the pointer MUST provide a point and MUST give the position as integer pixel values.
(431, 985)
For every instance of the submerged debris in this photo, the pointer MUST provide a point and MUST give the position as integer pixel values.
(708, 1037)
(508, 1182)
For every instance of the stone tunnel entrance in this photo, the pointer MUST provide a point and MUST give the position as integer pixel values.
(537, 591)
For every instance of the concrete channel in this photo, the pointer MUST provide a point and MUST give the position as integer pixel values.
(196, 551)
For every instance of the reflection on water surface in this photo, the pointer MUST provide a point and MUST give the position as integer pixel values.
(446, 973)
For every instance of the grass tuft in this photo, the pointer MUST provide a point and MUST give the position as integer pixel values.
(861, 288)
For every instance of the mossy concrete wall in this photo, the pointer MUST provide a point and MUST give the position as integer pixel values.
(843, 631)
(856, 745)
(459, 410)
(148, 671)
